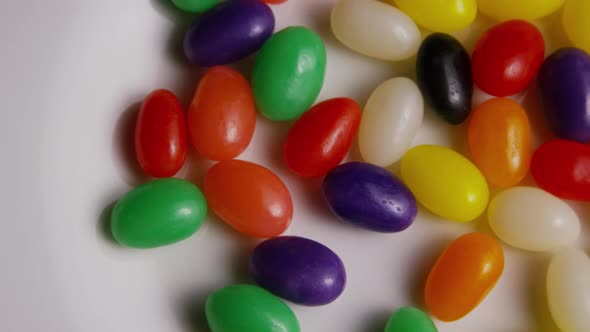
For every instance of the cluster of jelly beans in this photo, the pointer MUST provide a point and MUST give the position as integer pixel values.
(287, 77)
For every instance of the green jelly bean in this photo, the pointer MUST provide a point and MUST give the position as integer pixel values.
(410, 319)
(157, 213)
(247, 308)
(289, 73)
(195, 6)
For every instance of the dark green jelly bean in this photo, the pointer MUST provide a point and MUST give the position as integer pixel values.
(158, 213)
(443, 72)
(408, 319)
(247, 308)
(289, 73)
(195, 6)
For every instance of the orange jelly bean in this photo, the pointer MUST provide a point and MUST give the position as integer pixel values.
(248, 197)
(222, 115)
(499, 137)
(463, 275)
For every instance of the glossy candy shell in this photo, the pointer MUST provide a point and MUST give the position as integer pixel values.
(521, 9)
(463, 275)
(576, 22)
(436, 15)
(369, 196)
(410, 319)
(297, 269)
(229, 32)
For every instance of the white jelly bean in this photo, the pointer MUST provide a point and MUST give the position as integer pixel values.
(390, 121)
(532, 219)
(375, 29)
(568, 290)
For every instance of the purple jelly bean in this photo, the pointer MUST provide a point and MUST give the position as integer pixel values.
(370, 197)
(564, 90)
(299, 270)
(229, 32)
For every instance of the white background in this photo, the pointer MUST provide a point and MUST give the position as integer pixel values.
(72, 74)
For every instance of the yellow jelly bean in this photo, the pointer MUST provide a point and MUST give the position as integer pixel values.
(522, 9)
(576, 21)
(445, 182)
(437, 15)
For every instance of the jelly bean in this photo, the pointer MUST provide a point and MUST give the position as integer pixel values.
(445, 182)
(250, 198)
(322, 136)
(576, 22)
(507, 57)
(463, 275)
(436, 15)
(369, 196)
(299, 270)
(160, 135)
(158, 213)
(568, 290)
(532, 219)
(564, 90)
(229, 32)
(443, 71)
(563, 168)
(499, 137)
(410, 319)
(375, 29)
(222, 115)
(522, 9)
(289, 73)
(391, 119)
(247, 308)
(195, 6)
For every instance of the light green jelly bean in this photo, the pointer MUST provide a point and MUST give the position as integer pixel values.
(195, 6)
(158, 213)
(410, 319)
(289, 73)
(247, 308)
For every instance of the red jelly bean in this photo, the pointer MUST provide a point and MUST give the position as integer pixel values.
(322, 136)
(563, 168)
(160, 134)
(507, 57)
(248, 197)
(222, 115)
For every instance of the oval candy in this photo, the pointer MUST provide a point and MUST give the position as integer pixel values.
(299, 270)
(445, 182)
(158, 213)
(436, 15)
(228, 32)
(443, 72)
(391, 119)
(500, 141)
(322, 136)
(160, 135)
(289, 73)
(576, 23)
(248, 308)
(463, 275)
(375, 29)
(531, 219)
(249, 198)
(563, 168)
(568, 290)
(522, 9)
(507, 57)
(222, 115)
(408, 319)
(195, 6)
(369, 196)
(564, 91)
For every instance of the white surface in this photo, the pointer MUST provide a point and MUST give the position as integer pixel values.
(71, 72)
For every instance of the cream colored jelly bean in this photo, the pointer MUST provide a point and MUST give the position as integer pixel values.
(568, 290)
(375, 29)
(390, 121)
(532, 219)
